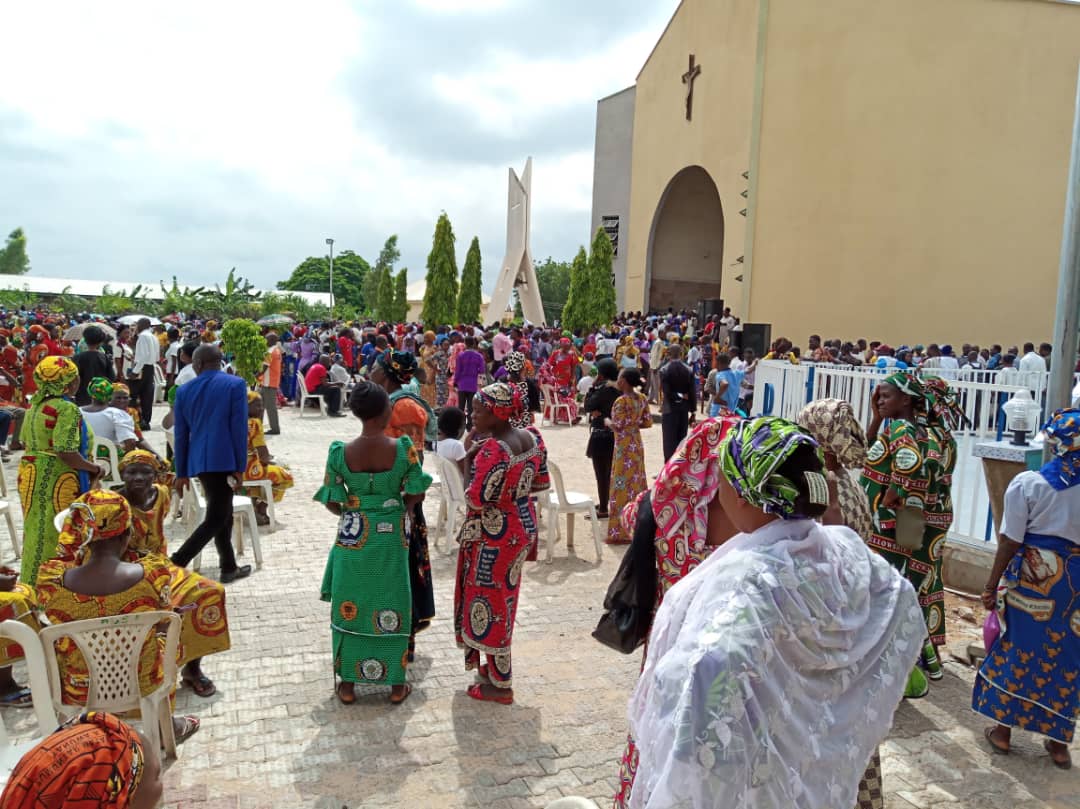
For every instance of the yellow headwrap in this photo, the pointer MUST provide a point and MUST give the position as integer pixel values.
(140, 456)
(254, 396)
(53, 375)
(98, 514)
(120, 387)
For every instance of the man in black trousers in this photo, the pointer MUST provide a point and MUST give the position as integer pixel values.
(679, 389)
(210, 443)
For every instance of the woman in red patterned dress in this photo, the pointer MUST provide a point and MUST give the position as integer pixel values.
(508, 467)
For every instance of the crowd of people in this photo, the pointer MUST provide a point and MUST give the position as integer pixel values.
(742, 654)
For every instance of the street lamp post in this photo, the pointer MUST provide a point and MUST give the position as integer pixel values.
(331, 243)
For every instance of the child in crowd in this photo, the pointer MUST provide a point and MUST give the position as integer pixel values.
(585, 384)
(451, 426)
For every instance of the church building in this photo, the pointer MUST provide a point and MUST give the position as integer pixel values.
(888, 170)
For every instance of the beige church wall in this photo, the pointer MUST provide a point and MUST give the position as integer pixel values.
(913, 166)
(723, 37)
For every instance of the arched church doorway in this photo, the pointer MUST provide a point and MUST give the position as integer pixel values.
(686, 245)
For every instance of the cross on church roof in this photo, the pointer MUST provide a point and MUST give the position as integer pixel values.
(688, 79)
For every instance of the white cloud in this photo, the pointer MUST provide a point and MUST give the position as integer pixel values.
(211, 134)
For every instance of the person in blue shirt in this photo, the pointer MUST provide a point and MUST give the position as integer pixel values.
(210, 419)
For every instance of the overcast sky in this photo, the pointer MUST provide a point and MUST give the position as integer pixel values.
(142, 140)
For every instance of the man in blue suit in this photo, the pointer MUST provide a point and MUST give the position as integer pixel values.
(210, 443)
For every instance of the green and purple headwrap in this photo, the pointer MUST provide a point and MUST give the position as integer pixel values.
(750, 456)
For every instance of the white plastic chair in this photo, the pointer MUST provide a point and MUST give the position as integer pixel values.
(453, 500)
(561, 501)
(111, 647)
(552, 406)
(267, 496)
(305, 397)
(26, 637)
(243, 511)
(159, 384)
(112, 480)
(16, 542)
(3, 478)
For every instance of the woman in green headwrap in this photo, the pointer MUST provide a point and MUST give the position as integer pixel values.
(55, 469)
(110, 422)
(907, 477)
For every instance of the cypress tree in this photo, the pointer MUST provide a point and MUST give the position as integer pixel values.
(384, 303)
(440, 296)
(401, 296)
(572, 315)
(469, 300)
(600, 286)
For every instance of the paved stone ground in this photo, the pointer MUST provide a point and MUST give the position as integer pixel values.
(275, 736)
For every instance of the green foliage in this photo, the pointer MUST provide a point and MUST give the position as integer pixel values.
(13, 257)
(19, 299)
(115, 304)
(66, 301)
(237, 299)
(573, 316)
(440, 296)
(243, 340)
(174, 299)
(384, 302)
(388, 257)
(350, 276)
(598, 305)
(553, 279)
(401, 296)
(469, 296)
(274, 303)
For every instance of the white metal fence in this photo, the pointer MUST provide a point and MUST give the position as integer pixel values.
(782, 389)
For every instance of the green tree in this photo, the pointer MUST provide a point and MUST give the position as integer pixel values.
(573, 315)
(174, 299)
(121, 303)
(469, 296)
(553, 279)
(599, 307)
(237, 299)
(13, 257)
(401, 296)
(67, 301)
(388, 257)
(384, 303)
(243, 340)
(440, 296)
(313, 275)
(275, 303)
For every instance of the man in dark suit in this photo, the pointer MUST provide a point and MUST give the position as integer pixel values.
(679, 389)
(210, 443)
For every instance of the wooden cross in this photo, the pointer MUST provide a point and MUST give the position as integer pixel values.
(688, 80)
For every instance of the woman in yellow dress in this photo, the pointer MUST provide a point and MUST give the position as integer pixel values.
(259, 466)
(428, 391)
(100, 583)
(199, 601)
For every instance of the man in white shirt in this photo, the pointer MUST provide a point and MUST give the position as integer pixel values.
(141, 376)
(1032, 367)
(656, 359)
(339, 374)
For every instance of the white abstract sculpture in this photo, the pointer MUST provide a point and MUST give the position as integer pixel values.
(517, 268)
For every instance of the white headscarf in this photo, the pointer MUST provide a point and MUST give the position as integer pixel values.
(773, 672)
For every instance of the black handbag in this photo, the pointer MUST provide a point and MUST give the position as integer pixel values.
(628, 604)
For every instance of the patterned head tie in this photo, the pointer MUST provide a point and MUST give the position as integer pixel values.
(120, 387)
(1063, 438)
(254, 396)
(398, 365)
(100, 389)
(832, 423)
(53, 375)
(140, 456)
(504, 401)
(514, 361)
(908, 384)
(752, 453)
(98, 514)
(94, 761)
(942, 406)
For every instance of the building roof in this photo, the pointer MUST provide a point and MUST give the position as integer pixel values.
(89, 288)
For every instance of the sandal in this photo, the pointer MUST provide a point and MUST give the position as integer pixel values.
(477, 692)
(397, 700)
(345, 697)
(17, 698)
(1060, 763)
(202, 685)
(191, 725)
(997, 748)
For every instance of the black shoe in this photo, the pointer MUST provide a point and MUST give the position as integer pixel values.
(338, 415)
(273, 432)
(241, 572)
(144, 426)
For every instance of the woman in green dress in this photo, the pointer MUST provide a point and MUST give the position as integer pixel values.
(55, 468)
(372, 482)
